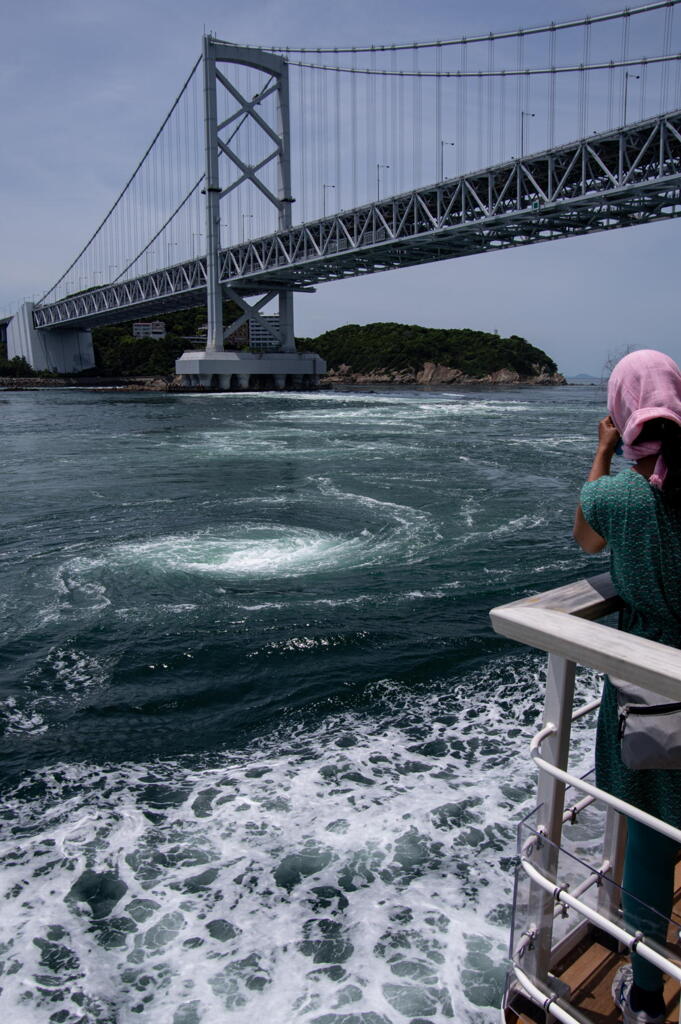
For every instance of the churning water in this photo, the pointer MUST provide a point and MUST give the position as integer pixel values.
(262, 754)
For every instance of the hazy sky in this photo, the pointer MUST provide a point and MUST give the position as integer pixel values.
(84, 84)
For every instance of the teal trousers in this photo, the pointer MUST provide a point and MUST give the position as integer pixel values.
(648, 893)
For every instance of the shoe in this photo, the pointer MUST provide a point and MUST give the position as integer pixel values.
(621, 989)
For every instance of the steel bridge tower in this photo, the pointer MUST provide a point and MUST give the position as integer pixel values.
(218, 56)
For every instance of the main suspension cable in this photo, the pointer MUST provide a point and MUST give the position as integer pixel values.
(627, 12)
(509, 73)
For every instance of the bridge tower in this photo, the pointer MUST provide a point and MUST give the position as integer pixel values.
(201, 368)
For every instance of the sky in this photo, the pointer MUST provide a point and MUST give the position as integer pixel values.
(84, 84)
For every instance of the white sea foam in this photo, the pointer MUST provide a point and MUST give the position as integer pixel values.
(63, 680)
(18, 716)
(393, 533)
(468, 507)
(252, 550)
(517, 525)
(362, 866)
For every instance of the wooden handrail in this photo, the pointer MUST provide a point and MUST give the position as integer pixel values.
(554, 622)
(588, 599)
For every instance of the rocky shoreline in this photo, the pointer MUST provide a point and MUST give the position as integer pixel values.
(434, 373)
(431, 374)
(100, 383)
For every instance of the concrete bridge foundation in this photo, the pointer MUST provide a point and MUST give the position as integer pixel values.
(292, 368)
(58, 350)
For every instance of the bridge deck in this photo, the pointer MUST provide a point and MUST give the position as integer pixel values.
(616, 179)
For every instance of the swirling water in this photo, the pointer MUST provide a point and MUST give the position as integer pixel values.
(262, 754)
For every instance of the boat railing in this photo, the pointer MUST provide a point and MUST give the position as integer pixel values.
(562, 623)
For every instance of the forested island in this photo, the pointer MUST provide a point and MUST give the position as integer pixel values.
(379, 353)
(385, 353)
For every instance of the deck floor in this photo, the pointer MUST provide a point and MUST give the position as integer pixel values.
(590, 978)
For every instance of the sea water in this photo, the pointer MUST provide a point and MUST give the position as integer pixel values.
(262, 755)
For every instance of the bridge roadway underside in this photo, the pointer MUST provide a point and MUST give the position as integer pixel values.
(617, 179)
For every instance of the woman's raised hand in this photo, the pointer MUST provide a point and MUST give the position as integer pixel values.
(608, 435)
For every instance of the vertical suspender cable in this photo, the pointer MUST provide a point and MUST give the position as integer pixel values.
(438, 110)
(642, 104)
(400, 178)
(193, 222)
(623, 57)
(371, 128)
(318, 129)
(339, 183)
(464, 108)
(585, 76)
(519, 91)
(666, 49)
(190, 177)
(402, 120)
(417, 120)
(157, 198)
(384, 115)
(353, 127)
(552, 87)
(302, 115)
(325, 168)
(480, 119)
(395, 157)
(263, 208)
(501, 155)
(490, 99)
(172, 153)
(160, 262)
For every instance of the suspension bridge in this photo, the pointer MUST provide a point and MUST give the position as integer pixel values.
(524, 136)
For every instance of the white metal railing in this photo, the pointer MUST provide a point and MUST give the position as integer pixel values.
(560, 622)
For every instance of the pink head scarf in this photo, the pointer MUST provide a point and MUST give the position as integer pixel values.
(644, 386)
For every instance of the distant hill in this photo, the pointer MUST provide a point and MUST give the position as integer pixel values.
(400, 347)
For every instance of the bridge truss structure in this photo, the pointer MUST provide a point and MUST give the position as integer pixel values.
(615, 179)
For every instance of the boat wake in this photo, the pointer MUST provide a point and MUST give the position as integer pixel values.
(356, 871)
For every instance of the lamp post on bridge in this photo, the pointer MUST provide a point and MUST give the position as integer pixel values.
(378, 178)
(523, 115)
(443, 143)
(627, 76)
(324, 188)
(244, 217)
(195, 234)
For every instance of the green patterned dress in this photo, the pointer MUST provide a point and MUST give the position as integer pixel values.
(644, 537)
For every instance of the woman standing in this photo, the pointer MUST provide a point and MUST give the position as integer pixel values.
(637, 513)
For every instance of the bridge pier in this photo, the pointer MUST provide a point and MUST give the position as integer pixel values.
(296, 368)
(58, 350)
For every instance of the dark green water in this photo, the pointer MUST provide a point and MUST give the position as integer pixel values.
(262, 755)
